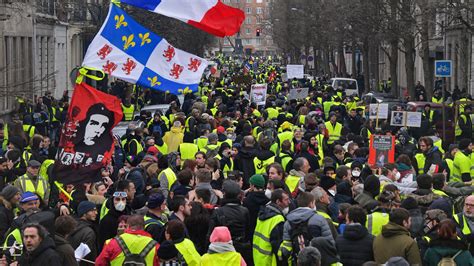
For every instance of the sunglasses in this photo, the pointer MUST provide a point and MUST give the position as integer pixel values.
(120, 194)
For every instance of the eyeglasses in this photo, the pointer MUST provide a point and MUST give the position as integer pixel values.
(120, 194)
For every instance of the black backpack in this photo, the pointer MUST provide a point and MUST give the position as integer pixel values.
(135, 259)
(300, 237)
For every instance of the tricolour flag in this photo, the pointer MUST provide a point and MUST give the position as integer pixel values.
(125, 49)
(211, 16)
(87, 144)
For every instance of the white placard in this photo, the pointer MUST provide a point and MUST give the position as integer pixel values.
(295, 71)
(413, 119)
(398, 119)
(299, 93)
(258, 94)
(381, 109)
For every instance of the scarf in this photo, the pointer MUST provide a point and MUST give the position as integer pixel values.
(220, 247)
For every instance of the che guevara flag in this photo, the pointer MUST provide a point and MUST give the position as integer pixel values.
(211, 16)
(86, 144)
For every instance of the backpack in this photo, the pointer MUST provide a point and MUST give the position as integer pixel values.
(449, 261)
(135, 259)
(300, 237)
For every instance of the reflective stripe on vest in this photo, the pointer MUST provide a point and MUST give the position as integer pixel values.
(261, 166)
(150, 221)
(187, 151)
(135, 243)
(334, 131)
(189, 253)
(375, 221)
(262, 247)
(170, 175)
(128, 112)
(28, 185)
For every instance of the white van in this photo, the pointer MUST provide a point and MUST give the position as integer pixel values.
(350, 86)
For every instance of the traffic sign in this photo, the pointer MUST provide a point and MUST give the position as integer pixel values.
(443, 68)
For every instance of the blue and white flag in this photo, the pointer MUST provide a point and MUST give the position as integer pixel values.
(125, 49)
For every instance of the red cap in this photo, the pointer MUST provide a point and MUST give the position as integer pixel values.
(220, 129)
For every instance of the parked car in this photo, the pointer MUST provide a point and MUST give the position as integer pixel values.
(350, 86)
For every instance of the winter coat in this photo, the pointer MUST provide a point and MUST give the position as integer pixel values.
(6, 216)
(366, 201)
(173, 138)
(108, 225)
(43, 255)
(395, 241)
(276, 235)
(432, 156)
(355, 235)
(254, 201)
(440, 248)
(65, 251)
(244, 163)
(85, 233)
(235, 216)
(317, 224)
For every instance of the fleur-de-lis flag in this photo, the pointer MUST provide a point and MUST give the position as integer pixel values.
(125, 49)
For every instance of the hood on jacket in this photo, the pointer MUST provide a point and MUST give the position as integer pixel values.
(47, 243)
(393, 229)
(257, 197)
(264, 155)
(247, 153)
(269, 211)
(448, 247)
(300, 215)
(355, 232)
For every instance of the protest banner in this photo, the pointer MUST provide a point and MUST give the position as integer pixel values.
(381, 150)
(298, 93)
(258, 94)
(295, 71)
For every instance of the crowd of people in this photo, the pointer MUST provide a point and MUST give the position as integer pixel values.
(220, 180)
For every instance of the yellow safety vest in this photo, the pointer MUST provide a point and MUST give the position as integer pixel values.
(458, 130)
(163, 148)
(136, 244)
(439, 144)
(320, 139)
(54, 119)
(326, 216)
(128, 112)
(262, 247)
(286, 135)
(261, 166)
(272, 113)
(466, 230)
(28, 185)
(375, 221)
(327, 107)
(187, 151)
(420, 160)
(285, 159)
(186, 124)
(29, 130)
(440, 193)
(103, 210)
(26, 156)
(228, 141)
(292, 182)
(302, 119)
(43, 171)
(226, 169)
(461, 165)
(11, 238)
(433, 99)
(170, 175)
(334, 132)
(189, 253)
(450, 163)
(138, 144)
(201, 142)
(230, 258)
(151, 221)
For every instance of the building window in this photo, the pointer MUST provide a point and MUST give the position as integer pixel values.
(248, 10)
(249, 1)
(259, 10)
(248, 20)
(259, 19)
(259, 41)
(247, 31)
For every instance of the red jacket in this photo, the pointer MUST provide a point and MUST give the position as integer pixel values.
(112, 249)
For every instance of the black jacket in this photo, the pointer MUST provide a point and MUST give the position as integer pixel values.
(433, 156)
(235, 216)
(65, 251)
(244, 163)
(108, 225)
(43, 255)
(85, 232)
(254, 201)
(6, 217)
(355, 245)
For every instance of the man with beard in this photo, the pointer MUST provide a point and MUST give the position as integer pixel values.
(465, 221)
